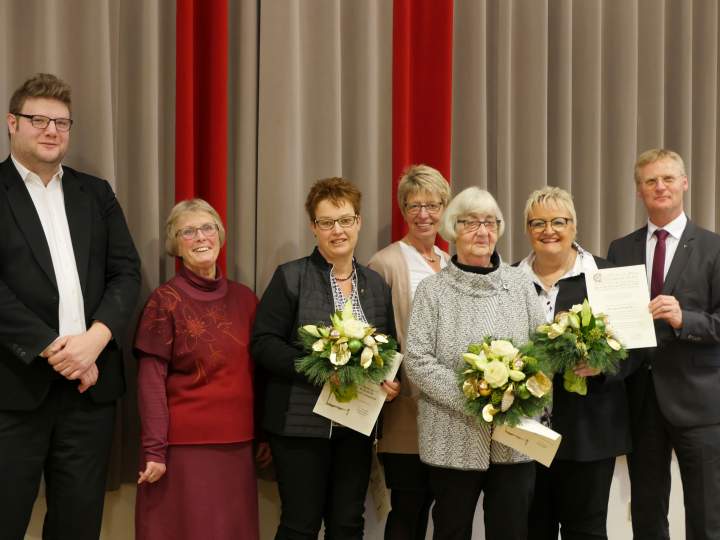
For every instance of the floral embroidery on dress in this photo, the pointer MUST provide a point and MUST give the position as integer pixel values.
(193, 334)
(157, 319)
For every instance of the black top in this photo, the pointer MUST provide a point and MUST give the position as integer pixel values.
(299, 293)
(594, 426)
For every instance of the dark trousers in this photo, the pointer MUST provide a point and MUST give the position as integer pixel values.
(571, 496)
(508, 492)
(698, 454)
(410, 496)
(322, 480)
(68, 439)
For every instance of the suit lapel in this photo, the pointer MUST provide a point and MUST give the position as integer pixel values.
(639, 246)
(78, 212)
(680, 259)
(26, 216)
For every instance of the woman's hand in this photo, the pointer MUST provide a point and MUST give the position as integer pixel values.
(263, 457)
(153, 472)
(392, 389)
(583, 370)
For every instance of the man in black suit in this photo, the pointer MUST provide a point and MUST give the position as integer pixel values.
(675, 393)
(69, 279)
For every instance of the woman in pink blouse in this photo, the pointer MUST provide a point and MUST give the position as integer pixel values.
(195, 393)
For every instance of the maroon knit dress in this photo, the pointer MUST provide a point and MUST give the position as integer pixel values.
(196, 407)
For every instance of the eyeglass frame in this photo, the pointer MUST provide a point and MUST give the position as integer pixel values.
(485, 223)
(419, 208)
(334, 221)
(211, 232)
(667, 181)
(43, 118)
(547, 222)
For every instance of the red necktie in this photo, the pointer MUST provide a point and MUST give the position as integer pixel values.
(658, 268)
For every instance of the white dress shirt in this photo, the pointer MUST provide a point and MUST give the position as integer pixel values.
(50, 205)
(675, 229)
(584, 263)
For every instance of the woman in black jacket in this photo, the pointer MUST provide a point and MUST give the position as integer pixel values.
(572, 495)
(322, 468)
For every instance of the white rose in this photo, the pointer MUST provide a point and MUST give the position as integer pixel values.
(503, 348)
(354, 329)
(319, 345)
(496, 373)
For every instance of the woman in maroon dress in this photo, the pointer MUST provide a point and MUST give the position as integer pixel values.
(195, 393)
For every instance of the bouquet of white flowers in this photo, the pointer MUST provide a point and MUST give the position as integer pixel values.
(346, 354)
(578, 336)
(502, 384)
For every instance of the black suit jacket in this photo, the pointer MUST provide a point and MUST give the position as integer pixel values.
(594, 426)
(685, 364)
(109, 271)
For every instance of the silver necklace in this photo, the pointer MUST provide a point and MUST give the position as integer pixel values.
(428, 259)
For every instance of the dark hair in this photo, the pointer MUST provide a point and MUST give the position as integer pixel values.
(335, 190)
(42, 85)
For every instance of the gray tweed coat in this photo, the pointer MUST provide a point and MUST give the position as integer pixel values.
(452, 309)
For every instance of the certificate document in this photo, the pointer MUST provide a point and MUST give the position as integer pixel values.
(622, 294)
(360, 413)
(531, 438)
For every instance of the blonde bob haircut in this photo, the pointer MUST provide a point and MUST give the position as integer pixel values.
(472, 201)
(422, 179)
(184, 207)
(656, 154)
(550, 195)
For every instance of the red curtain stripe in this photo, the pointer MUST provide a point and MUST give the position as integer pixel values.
(201, 115)
(422, 91)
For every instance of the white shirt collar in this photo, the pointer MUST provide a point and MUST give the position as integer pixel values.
(675, 227)
(584, 262)
(25, 172)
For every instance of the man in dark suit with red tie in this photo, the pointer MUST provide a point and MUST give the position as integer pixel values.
(675, 393)
(69, 279)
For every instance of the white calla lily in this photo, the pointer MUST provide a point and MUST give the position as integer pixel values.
(489, 412)
(366, 357)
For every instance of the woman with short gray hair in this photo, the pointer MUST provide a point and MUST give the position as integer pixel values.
(475, 296)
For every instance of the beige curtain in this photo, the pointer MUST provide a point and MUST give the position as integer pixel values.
(325, 96)
(562, 92)
(569, 92)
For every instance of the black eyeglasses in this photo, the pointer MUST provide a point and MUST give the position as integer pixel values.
(556, 224)
(39, 121)
(345, 222)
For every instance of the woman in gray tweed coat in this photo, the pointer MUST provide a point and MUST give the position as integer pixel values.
(473, 297)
